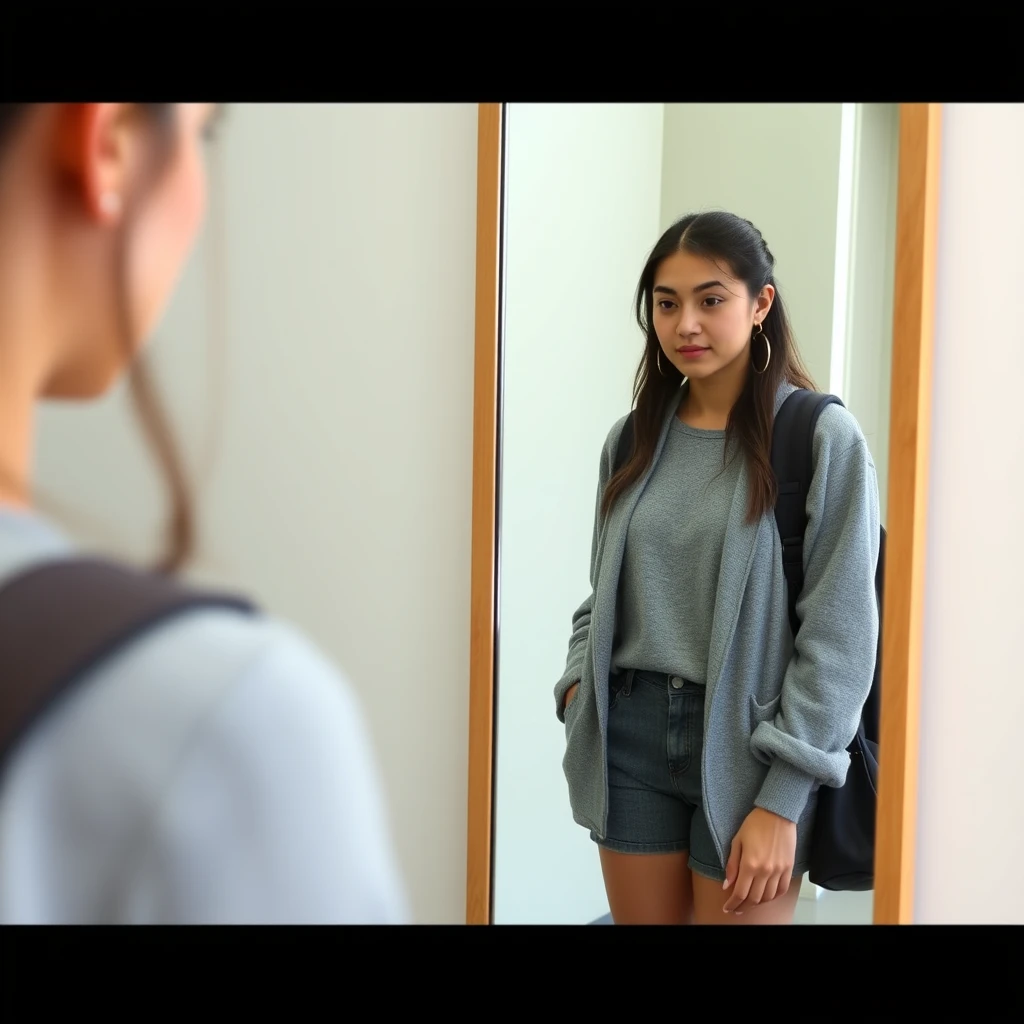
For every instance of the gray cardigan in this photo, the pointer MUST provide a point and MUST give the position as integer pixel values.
(778, 717)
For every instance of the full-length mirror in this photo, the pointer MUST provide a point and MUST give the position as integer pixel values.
(694, 262)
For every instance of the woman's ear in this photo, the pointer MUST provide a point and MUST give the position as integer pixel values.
(764, 303)
(96, 146)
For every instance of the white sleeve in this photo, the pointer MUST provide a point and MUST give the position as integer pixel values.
(275, 814)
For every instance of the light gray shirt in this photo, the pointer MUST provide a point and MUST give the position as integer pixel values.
(218, 769)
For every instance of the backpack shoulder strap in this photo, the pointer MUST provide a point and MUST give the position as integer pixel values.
(793, 463)
(624, 449)
(60, 618)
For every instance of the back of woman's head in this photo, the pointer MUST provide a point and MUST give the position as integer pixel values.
(107, 199)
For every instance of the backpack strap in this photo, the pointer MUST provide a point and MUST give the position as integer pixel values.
(793, 463)
(60, 618)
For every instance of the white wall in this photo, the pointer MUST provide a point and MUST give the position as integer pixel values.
(584, 185)
(971, 811)
(335, 290)
(870, 273)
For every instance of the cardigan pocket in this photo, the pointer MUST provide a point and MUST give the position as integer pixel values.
(763, 712)
(570, 709)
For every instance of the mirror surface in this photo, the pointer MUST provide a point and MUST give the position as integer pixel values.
(588, 189)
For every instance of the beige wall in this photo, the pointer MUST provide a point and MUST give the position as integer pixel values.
(971, 824)
(339, 265)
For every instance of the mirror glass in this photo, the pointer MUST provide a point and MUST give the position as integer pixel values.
(587, 191)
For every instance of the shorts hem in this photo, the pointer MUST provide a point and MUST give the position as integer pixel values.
(639, 848)
(717, 874)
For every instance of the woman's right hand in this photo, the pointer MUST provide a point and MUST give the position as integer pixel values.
(570, 696)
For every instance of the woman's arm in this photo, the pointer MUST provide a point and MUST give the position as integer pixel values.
(581, 617)
(829, 675)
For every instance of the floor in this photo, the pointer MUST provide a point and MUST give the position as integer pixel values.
(836, 908)
(830, 908)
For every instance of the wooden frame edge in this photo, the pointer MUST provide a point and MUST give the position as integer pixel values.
(917, 218)
(909, 449)
(484, 539)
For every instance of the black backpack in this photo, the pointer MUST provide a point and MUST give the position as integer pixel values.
(843, 843)
(60, 618)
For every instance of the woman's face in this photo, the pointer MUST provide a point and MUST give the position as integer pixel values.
(703, 316)
(167, 220)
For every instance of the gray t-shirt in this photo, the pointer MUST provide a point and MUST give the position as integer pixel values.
(674, 554)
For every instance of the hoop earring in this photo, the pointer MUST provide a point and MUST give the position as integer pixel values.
(759, 333)
(658, 361)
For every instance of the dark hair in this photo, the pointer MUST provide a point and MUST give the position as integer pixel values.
(180, 524)
(735, 242)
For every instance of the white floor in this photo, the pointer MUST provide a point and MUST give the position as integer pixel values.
(835, 908)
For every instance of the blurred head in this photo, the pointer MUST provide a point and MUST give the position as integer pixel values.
(709, 307)
(108, 199)
(100, 205)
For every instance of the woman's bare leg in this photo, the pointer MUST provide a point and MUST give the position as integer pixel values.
(648, 888)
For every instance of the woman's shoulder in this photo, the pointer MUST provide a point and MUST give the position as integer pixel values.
(278, 771)
(226, 750)
(836, 430)
(146, 696)
(838, 434)
(255, 681)
(611, 441)
(227, 741)
(610, 447)
(203, 666)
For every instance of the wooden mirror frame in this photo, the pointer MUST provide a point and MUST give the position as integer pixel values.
(909, 444)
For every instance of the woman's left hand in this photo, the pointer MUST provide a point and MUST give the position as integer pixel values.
(761, 860)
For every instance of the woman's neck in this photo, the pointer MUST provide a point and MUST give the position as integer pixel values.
(28, 314)
(22, 372)
(16, 439)
(708, 402)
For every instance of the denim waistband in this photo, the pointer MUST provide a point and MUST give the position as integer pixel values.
(664, 680)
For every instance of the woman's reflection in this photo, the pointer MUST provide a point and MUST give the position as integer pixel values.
(697, 732)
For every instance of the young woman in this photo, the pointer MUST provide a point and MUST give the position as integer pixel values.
(697, 733)
(218, 768)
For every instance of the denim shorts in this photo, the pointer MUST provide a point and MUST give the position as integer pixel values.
(655, 748)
